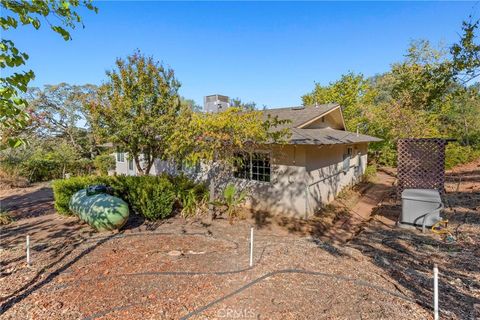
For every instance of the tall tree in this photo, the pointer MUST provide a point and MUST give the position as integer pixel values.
(424, 95)
(138, 108)
(466, 53)
(61, 111)
(352, 91)
(13, 113)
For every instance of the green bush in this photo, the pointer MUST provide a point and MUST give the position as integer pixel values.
(41, 169)
(456, 154)
(192, 197)
(103, 163)
(65, 188)
(232, 199)
(31, 169)
(151, 196)
(370, 173)
(5, 218)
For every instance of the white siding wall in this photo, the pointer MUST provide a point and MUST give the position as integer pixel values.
(302, 177)
(157, 168)
(326, 173)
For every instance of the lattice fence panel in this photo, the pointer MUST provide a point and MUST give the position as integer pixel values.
(421, 164)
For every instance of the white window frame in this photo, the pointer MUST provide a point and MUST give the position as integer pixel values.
(250, 166)
(120, 156)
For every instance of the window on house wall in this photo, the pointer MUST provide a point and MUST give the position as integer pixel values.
(254, 166)
(346, 159)
(120, 156)
(130, 164)
(350, 151)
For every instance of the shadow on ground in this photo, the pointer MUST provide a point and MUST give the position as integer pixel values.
(408, 256)
(51, 271)
(28, 205)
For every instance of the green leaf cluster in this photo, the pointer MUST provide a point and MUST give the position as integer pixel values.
(218, 136)
(14, 114)
(137, 109)
(421, 96)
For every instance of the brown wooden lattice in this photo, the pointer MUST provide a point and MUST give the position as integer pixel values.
(421, 164)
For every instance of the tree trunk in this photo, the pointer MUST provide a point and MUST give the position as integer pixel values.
(137, 164)
(149, 165)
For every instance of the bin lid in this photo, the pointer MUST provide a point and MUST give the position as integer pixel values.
(430, 195)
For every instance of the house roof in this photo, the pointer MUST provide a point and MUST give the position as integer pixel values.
(328, 136)
(301, 116)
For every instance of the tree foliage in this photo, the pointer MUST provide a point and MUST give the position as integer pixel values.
(137, 109)
(44, 159)
(13, 106)
(218, 136)
(61, 111)
(465, 53)
(247, 106)
(421, 96)
(352, 91)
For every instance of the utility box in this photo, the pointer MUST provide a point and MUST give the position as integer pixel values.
(215, 103)
(419, 205)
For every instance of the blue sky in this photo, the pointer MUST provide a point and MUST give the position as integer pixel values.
(267, 52)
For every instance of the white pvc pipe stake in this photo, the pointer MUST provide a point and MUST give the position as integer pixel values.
(28, 249)
(435, 293)
(251, 247)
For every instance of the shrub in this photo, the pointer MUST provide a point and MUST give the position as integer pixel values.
(103, 163)
(456, 154)
(191, 196)
(42, 163)
(80, 167)
(65, 188)
(151, 196)
(370, 173)
(232, 199)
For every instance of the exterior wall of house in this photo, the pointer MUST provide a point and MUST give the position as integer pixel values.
(332, 120)
(330, 169)
(284, 194)
(302, 178)
(129, 168)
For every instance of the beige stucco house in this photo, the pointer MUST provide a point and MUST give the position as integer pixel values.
(295, 178)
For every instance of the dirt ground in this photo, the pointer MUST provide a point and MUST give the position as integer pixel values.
(199, 269)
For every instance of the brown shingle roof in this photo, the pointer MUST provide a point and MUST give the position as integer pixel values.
(301, 115)
(328, 136)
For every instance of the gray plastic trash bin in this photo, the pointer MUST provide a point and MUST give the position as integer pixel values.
(420, 204)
